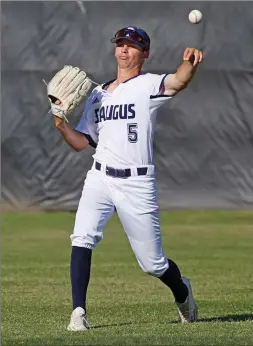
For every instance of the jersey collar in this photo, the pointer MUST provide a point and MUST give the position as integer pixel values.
(105, 85)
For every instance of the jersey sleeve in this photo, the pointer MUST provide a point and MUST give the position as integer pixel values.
(87, 124)
(157, 98)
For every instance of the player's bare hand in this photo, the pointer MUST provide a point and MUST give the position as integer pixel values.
(193, 55)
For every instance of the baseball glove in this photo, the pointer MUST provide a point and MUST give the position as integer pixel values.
(70, 85)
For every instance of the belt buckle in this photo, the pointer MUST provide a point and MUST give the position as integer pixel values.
(111, 171)
(107, 170)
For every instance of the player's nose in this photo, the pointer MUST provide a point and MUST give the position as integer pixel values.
(125, 48)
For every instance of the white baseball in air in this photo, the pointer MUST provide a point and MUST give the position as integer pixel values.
(195, 16)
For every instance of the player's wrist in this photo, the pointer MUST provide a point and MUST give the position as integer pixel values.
(59, 122)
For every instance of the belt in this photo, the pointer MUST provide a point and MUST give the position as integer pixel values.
(121, 173)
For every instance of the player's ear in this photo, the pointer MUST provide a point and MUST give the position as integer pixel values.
(146, 54)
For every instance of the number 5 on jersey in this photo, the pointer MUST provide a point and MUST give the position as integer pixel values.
(132, 132)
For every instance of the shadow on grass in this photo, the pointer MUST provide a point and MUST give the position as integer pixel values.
(228, 318)
(112, 325)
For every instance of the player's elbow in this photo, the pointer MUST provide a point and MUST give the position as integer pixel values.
(78, 150)
(78, 147)
(173, 85)
(173, 91)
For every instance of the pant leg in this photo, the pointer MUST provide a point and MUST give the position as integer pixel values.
(94, 210)
(138, 211)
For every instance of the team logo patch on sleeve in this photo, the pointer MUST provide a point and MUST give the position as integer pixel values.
(96, 100)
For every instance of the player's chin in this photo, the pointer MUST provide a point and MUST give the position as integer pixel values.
(123, 63)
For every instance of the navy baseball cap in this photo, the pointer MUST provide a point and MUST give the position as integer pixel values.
(135, 35)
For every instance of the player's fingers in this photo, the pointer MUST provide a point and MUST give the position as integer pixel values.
(57, 102)
(187, 54)
(201, 56)
(196, 57)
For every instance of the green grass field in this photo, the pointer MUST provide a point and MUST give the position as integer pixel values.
(126, 306)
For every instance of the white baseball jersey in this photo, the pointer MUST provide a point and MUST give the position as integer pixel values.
(122, 122)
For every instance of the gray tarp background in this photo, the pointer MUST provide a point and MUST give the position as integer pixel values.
(204, 138)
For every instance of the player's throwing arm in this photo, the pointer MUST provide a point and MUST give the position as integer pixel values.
(173, 83)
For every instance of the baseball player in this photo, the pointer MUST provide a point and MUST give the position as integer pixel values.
(119, 122)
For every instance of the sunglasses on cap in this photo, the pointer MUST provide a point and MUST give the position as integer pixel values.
(132, 36)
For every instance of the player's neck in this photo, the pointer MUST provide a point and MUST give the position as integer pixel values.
(125, 74)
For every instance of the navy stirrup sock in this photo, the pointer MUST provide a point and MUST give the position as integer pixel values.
(172, 279)
(80, 275)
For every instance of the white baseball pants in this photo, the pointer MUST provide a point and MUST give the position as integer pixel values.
(136, 203)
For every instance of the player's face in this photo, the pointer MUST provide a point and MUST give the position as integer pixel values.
(129, 55)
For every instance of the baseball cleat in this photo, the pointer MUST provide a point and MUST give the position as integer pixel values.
(188, 311)
(78, 321)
